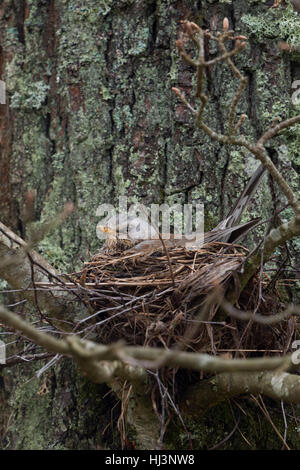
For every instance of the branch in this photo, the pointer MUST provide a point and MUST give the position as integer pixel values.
(209, 393)
(275, 238)
(18, 270)
(93, 358)
(262, 319)
(37, 337)
(192, 32)
(258, 150)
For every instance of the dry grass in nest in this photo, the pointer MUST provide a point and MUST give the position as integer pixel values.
(172, 302)
(142, 300)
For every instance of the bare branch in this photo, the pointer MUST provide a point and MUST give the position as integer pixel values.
(263, 319)
(102, 363)
(208, 393)
(37, 337)
(16, 268)
(287, 230)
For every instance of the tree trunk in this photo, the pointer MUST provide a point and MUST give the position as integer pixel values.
(90, 116)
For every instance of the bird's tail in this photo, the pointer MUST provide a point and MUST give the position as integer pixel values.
(235, 214)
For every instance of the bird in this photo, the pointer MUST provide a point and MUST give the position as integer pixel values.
(123, 231)
(142, 237)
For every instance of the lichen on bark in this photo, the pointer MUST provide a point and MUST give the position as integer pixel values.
(91, 116)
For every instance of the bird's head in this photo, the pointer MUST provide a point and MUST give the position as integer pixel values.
(125, 229)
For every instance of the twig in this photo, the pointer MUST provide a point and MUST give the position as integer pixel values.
(264, 320)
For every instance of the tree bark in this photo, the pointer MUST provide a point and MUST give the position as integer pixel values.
(90, 116)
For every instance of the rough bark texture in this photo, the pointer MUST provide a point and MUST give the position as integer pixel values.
(90, 116)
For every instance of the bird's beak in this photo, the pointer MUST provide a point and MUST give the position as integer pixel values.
(106, 229)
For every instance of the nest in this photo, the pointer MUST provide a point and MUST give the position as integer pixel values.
(170, 299)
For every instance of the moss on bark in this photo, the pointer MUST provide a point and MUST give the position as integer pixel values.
(90, 117)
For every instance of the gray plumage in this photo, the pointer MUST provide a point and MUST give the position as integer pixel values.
(229, 230)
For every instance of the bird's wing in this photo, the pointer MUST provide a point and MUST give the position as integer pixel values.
(231, 234)
(227, 231)
(148, 246)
